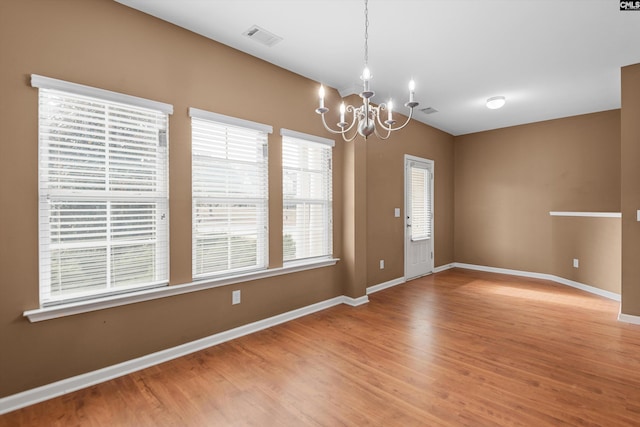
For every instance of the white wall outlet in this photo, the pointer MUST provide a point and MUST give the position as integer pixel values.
(638, 215)
(396, 212)
(235, 297)
(381, 264)
(576, 263)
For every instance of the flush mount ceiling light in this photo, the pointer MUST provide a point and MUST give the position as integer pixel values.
(495, 102)
(367, 116)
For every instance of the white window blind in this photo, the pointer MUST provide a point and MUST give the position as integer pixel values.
(420, 203)
(103, 198)
(229, 194)
(307, 196)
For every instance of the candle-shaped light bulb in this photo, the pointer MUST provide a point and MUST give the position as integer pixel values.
(321, 95)
(390, 108)
(342, 110)
(412, 88)
(366, 76)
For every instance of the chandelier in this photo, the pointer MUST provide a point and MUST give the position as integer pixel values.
(367, 116)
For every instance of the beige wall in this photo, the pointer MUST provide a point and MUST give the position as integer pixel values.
(508, 180)
(595, 242)
(103, 44)
(354, 238)
(630, 127)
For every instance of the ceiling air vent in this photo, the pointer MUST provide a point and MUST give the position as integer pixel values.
(262, 36)
(429, 110)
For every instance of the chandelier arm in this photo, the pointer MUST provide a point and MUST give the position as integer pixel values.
(337, 132)
(354, 112)
(405, 123)
(380, 136)
(381, 107)
(390, 129)
(355, 134)
(328, 128)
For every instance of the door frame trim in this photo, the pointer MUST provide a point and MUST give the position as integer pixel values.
(432, 164)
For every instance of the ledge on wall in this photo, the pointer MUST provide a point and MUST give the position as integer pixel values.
(588, 214)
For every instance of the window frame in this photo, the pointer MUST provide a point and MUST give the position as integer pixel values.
(316, 142)
(157, 196)
(262, 226)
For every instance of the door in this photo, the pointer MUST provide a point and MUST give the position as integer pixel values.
(418, 253)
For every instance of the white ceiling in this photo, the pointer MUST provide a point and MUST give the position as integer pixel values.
(549, 58)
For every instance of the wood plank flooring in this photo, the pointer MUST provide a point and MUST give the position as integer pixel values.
(458, 348)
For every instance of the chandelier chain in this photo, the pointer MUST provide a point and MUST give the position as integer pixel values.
(366, 32)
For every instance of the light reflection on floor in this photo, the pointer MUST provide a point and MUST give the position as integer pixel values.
(511, 290)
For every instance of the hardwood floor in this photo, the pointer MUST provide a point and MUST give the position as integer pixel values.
(458, 348)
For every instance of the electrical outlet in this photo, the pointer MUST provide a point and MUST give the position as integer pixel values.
(235, 297)
(396, 213)
(576, 263)
(381, 264)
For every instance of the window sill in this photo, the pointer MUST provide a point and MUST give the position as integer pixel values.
(70, 309)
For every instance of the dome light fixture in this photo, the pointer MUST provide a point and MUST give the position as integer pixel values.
(496, 102)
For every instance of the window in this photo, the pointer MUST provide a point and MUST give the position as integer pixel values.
(229, 194)
(103, 192)
(307, 196)
(420, 203)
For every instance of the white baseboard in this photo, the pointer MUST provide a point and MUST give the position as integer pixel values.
(401, 280)
(628, 318)
(551, 277)
(444, 267)
(587, 288)
(68, 385)
(385, 285)
(502, 270)
(354, 302)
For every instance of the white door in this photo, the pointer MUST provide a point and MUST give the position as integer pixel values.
(418, 183)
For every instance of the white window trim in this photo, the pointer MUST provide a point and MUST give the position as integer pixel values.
(62, 310)
(228, 120)
(78, 89)
(305, 136)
